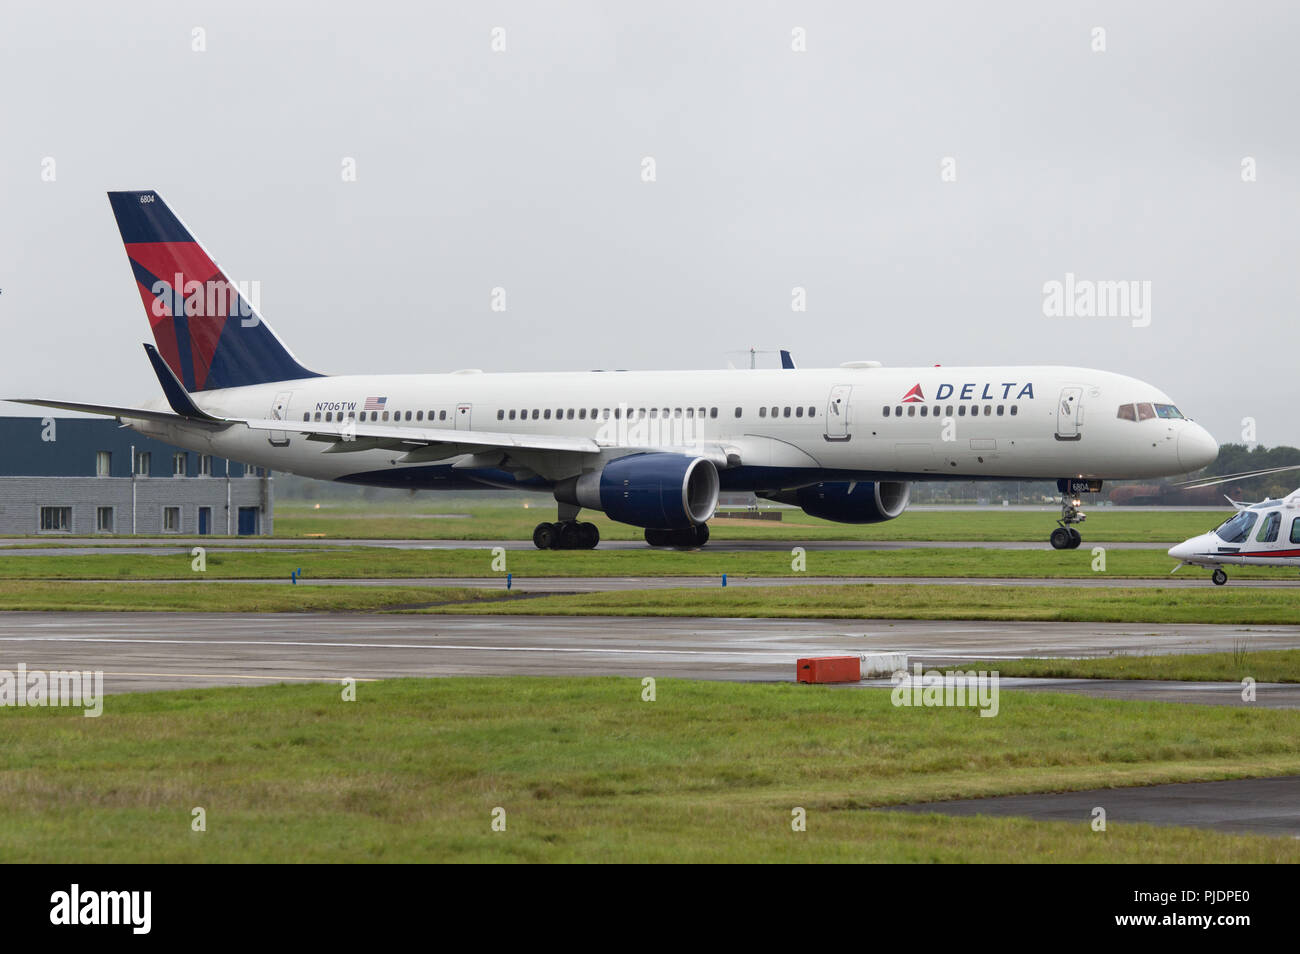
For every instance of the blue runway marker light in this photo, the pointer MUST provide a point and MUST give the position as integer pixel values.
(509, 577)
(724, 579)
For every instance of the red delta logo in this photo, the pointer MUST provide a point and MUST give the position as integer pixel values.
(914, 396)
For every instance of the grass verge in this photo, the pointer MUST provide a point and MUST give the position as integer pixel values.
(1270, 665)
(587, 771)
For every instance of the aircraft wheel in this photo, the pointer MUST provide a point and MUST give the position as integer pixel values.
(1075, 538)
(545, 536)
(657, 538)
(588, 536)
(1060, 539)
(701, 534)
(1219, 577)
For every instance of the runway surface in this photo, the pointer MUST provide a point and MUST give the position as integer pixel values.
(1269, 806)
(28, 546)
(138, 651)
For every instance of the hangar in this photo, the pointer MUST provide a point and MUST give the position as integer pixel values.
(81, 477)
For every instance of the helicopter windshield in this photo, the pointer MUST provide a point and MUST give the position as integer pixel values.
(1237, 527)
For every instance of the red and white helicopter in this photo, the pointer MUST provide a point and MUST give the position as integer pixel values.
(1259, 534)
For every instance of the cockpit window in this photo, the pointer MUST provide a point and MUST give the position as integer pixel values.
(1237, 527)
(1168, 410)
(1127, 413)
(1145, 412)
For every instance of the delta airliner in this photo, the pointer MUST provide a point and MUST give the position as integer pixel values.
(649, 449)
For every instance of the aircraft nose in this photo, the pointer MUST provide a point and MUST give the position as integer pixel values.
(1196, 448)
(1181, 551)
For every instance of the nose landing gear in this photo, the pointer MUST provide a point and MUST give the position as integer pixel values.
(1065, 537)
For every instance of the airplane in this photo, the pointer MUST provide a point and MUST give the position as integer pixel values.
(652, 449)
(1244, 539)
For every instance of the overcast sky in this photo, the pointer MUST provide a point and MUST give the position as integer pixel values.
(523, 169)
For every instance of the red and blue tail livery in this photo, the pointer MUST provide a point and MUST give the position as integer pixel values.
(206, 329)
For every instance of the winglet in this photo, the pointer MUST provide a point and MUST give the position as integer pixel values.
(175, 392)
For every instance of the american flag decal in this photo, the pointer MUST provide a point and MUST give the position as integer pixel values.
(375, 403)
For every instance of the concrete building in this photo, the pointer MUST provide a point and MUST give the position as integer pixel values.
(82, 477)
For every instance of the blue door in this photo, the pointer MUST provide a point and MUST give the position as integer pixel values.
(205, 520)
(247, 521)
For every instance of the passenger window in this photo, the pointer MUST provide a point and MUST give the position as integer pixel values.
(1268, 529)
(677, 412)
(512, 414)
(419, 415)
(1000, 410)
(961, 410)
(1127, 413)
(798, 412)
(442, 415)
(535, 413)
(546, 414)
(776, 412)
(408, 415)
(1145, 412)
(787, 412)
(738, 411)
(988, 410)
(582, 413)
(568, 415)
(884, 411)
(812, 410)
(501, 415)
(1013, 409)
(925, 411)
(690, 412)
(1295, 530)
(713, 412)
(307, 416)
(385, 417)
(762, 412)
(898, 411)
(911, 410)
(329, 416)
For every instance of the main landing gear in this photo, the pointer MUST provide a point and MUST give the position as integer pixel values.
(691, 537)
(566, 535)
(1219, 577)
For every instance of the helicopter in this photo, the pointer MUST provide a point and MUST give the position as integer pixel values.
(1257, 534)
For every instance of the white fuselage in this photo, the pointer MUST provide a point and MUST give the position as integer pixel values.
(775, 429)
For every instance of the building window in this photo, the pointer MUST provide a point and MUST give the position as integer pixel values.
(178, 465)
(205, 465)
(171, 519)
(104, 464)
(56, 519)
(142, 464)
(104, 519)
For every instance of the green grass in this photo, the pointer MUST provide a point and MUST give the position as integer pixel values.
(841, 601)
(1270, 665)
(385, 562)
(915, 601)
(497, 521)
(587, 771)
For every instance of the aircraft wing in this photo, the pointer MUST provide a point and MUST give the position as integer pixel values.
(349, 435)
(372, 434)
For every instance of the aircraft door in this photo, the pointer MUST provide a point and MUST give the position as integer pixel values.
(463, 416)
(837, 413)
(280, 412)
(1069, 414)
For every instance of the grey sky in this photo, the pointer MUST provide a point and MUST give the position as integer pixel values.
(775, 169)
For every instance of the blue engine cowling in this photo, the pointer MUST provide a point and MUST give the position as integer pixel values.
(861, 501)
(657, 491)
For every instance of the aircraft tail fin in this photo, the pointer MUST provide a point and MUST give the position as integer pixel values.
(206, 329)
